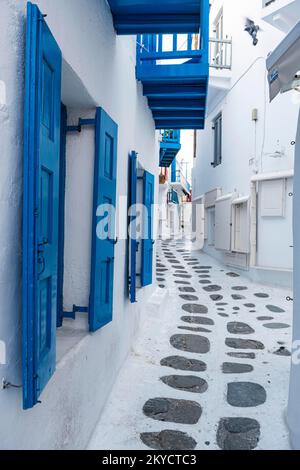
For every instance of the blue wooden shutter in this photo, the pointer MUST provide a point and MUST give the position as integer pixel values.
(148, 242)
(103, 250)
(133, 232)
(40, 213)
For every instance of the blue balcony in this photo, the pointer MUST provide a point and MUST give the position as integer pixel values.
(174, 70)
(156, 16)
(179, 181)
(173, 197)
(169, 147)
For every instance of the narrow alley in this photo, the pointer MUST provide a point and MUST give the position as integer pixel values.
(210, 368)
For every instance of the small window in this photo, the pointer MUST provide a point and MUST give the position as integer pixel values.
(217, 128)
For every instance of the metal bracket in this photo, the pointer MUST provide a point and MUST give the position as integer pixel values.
(81, 123)
(76, 309)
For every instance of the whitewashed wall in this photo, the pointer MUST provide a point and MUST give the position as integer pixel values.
(105, 64)
(248, 147)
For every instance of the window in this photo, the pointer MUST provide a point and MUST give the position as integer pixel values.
(219, 36)
(217, 128)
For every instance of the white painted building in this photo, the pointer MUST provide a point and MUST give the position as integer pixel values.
(174, 201)
(98, 71)
(243, 173)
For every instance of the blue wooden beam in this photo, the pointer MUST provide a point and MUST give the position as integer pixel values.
(163, 16)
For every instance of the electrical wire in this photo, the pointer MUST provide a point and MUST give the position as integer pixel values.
(235, 84)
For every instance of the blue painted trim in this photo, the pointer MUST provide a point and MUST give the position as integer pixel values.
(62, 191)
(164, 16)
(29, 205)
(76, 309)
(148, 241)
(38, 366)
(102, 253)
(133, 233)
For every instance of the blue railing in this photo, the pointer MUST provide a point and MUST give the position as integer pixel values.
(155, 48)
(174, 70)
(177, 176)
(173, 197)
(171, 136)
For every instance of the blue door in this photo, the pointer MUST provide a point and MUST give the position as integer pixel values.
(133, 229)
(148, 241)
(104, 223)
(41, 201)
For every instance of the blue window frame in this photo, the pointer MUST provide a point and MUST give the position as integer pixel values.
(133, 245)
(103, 249)
(148, 241)
(42, 114)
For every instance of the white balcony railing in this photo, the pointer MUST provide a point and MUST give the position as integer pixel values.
(220, 53)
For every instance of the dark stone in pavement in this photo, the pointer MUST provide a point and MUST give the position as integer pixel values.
(234, 368)
(282, 352)
(183, 283)
(191, 343)
(245, 394)
(183, 276)
(184, 363)
(275, 309)
(189, 298)
(250, 305)
(276, 326)
(198, 320)
(216, 297)
(195, 330)
(186, 383)
(204, 281)
(223, 315)
(187, 289)
(265, 318)
(261, 295)
(240, 355)
(168, 440)
(212, 288)
(237, 343)
(240, 288)
(195, 308)
(233, 275)
(238, 434)
(239, 328)
(238, 297)
(174, 411)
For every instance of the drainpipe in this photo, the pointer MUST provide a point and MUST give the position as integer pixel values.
(253, 225)
(293, 415)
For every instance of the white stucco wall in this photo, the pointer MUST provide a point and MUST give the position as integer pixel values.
(105, 64)
(248, 147)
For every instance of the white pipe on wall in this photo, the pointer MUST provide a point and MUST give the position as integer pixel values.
(293, 417)
(276, 175)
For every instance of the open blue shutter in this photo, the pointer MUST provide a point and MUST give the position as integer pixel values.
(40, 213)
(103, 250)
(148, 242)
(133, 232)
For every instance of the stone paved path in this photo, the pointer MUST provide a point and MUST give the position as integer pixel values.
(210, 370)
